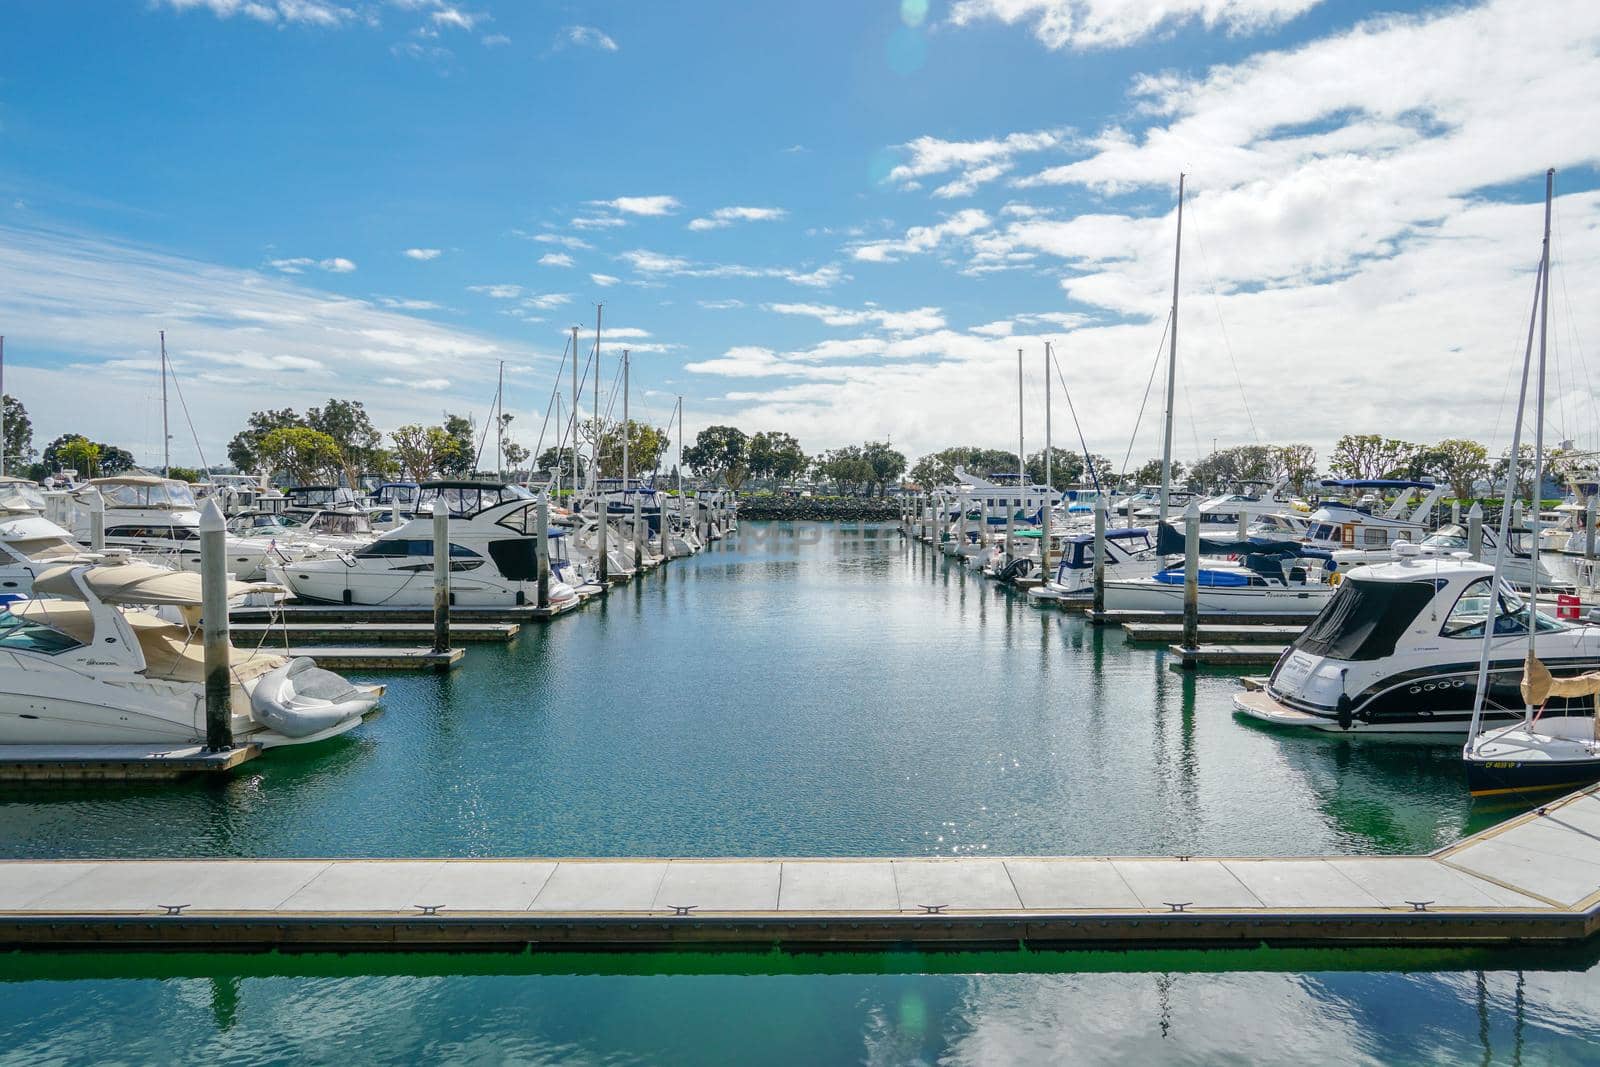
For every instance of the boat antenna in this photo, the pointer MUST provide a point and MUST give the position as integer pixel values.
(1538, 435)
(1172, 362)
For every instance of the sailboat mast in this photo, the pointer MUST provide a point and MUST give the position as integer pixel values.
(572, 440)
(1047, 435)
(594, 455)
(1022, 455)
(625, 456)
(166, 436)
(1538, 430)
(1172, 362)
(679, 466)
(1481, 693)
(500, 423)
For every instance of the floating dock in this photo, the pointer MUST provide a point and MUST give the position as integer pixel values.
(362, 633)
(1213, 633)
(1228, 655)
(379, 658)
(1207, 618)
(115, 763)
(352, 613)
(1532, 879)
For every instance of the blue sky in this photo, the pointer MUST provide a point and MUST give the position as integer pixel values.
(906, 197)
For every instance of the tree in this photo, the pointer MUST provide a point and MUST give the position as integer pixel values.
(776, 455)
(1370, 455)
(18, 443)
(107, 459)
(459, 460)
(1242, 463)
(646, 445)
(512, 454)
(186, 474)
(1066, 468)
(720, 452)
(847, 468)
(1150, 472)
(78, 453)
(887, 464)
(347, 424)
(307, 456)
(940, 467)
(1461, 463)
(244, 451)
(559, 460)
(422, 451)
(1296, 464)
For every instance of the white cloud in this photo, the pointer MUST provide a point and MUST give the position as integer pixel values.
(920, 239)
(585, 37)
(454, 18)
(604, 279)
(727, 216)
(408, 305)
(432, 385)
(641, 205)
(504, 291)
(975, 162)
(720, 305)
(599, 222)
(657, 263)
(1085, 24)
(547, 301)
(299, 264)
(308, 12)
(495, 40)
(916, 321)
(555, 259)
(565, 240)
(423, 254)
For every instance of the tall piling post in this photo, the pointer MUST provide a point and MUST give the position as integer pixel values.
(1589, 512)
(1475, 530)
(1099, 558)
(541, 515)
(1191, 579)
(441, 575)
(1455, 513)
(1011, 532)
(214, 626)
(1244, 524)
(97, 521)
(639, 535)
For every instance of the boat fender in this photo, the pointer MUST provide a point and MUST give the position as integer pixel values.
(1343, 713)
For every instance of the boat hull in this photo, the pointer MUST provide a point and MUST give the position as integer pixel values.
(1150, 595)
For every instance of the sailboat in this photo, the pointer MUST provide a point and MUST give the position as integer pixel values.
(1540, 751)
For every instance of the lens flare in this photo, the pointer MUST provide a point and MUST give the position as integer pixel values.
(913, 12)
(907, 51)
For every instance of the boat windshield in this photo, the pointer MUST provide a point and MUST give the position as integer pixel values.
(20, 496)
(24, 635)
(1472, 608)
(466, 501)
(1364, 619)
(168, 494)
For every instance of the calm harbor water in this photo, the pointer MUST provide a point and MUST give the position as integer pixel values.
(799, 690)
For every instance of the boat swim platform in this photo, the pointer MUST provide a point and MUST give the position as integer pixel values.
(363, 633)
(377, 657)
(1534, 879)
(89, 764)
(1215, 633)
(295, 612)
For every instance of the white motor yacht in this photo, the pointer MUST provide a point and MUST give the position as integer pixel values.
(493, 545)
(1235, 577)
(99, 666)
(1516, 565)
(1130, 553)
(29, 542)
(158, 520)
(1339, 524)
(1396, 651)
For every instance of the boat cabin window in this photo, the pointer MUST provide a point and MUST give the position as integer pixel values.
(466, 501)
(340, 524)
(1325, 532)
(1466, 618)
(1374, 536)
(24, 635)
(21, 496)
(159, 495)
(1364, 619)
(155, 533)
(403, 546)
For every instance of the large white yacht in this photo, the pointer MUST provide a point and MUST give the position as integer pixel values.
(1219, 515)
(493, 535)
(158, 520)
(1235, 577)
(1396, 651)
(98, 666)
(29, 542)
(1359, 524)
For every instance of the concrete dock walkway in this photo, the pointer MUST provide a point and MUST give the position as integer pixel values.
(1535, 878)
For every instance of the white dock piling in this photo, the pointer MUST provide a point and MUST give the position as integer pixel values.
(1475, 530)
(1099, 556)
(1191, 576)
(213, 624)
(541, 515)
(1588, 528)
(441, 576)
(97, 521)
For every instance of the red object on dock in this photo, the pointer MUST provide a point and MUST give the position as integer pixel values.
(1568, 606)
